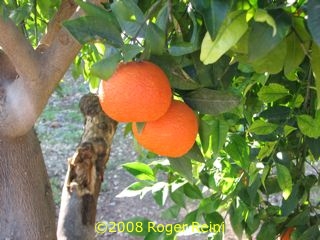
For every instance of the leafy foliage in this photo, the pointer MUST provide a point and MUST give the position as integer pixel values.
(250, 69)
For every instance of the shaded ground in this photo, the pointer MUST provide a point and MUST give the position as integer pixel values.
(59, 130)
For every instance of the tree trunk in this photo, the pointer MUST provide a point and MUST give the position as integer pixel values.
(85, 173)
(26, 205)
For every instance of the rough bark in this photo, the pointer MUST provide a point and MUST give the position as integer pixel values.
(27, 210)
(85, 173)
(28, 76)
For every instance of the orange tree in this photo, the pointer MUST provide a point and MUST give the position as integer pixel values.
(251, 71)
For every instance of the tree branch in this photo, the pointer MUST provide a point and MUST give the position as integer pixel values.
(85, 173)
(66, 10)
(18, 49)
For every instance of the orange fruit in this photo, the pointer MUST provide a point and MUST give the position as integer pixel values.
(287, 234)
(173, 134)
(136, 92)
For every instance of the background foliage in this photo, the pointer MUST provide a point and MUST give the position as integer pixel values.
(250, 70)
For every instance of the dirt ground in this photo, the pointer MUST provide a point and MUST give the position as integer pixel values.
(59, 130)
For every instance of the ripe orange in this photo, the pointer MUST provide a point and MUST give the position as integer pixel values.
(286, 235)
(173, 134)
(136, 92)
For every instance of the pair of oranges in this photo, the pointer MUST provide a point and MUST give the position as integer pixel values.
(141, 92)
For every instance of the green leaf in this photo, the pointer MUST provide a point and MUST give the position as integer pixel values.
(284, 180)
(182, 48)
(130, 17)
(300, 219)
(315, 63)
(262, 15)
(106, 67)
(312, 232)
(276, 114)
(290, 204)
(89, 28)
(209, 101)
(178, 197)
(261, 38)
(213, 134)
(129, 51)
(183, 166)
(266, 150)
(313, 20)
(238, 150)
(99, 12)
(155, 40)
(219, 132)
(272, 63)
(135, 189)
(178, 78)
(19, 14)
(295, 54)
(261, 127)
(272, 92)
(229, 34)
(192, 191)
(308, 126)
(171, 213)
(288, 129)
(140, 126)
(214, 13)
(267, 231)
(237, 218)
(140, 170)
(160, 192)
(209, 205)
(195, 154)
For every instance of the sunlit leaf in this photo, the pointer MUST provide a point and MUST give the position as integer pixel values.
(295, 54)
(261, 38)
(261, 127)
(229, 34)
(139, 170)
(273, 61)
(315, 63)
(238, 150)
(214, 13)
(284, 180)
(308, 126)
(266, 150)
(272, 92)
(262, 15)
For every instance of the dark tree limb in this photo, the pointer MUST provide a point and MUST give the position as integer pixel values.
(85, 173)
